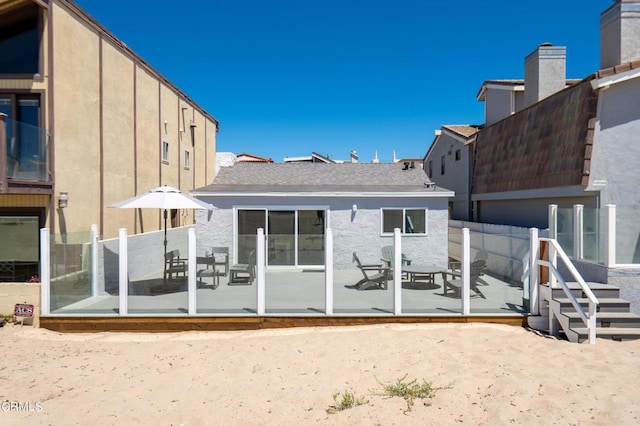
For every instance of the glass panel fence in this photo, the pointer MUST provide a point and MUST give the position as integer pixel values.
(565, 230)
(498, 270)
(225, 286)
(157, 278)
(627, 235)
(361, 284)
(591, 242)
(424, 268)
(71, 289)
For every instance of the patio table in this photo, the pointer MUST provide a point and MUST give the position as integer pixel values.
(417, 272)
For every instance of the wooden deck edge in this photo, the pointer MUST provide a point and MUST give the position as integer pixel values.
(148, 324)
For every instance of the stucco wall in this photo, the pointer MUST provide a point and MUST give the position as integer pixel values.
(110, 111)
(616, 150)
(616, 153)
(498, 105)
(456, 176)
(359, 231)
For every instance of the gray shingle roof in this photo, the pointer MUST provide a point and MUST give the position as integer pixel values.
(318, 177)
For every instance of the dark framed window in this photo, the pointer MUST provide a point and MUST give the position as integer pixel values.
(20, 41)
(458, 155)
(442, 165)
(410, 221)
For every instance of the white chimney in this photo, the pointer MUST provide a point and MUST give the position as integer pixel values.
(375, 158)
(545, 72)
(354, 157)
(620, 33)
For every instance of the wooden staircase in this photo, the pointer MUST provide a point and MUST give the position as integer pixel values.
(614, 319)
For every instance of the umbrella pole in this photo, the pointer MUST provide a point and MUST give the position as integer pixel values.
(165, 244)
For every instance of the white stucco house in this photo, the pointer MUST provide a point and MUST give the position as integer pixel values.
(295, 203)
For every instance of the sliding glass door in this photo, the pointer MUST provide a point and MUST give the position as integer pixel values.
(293, 237)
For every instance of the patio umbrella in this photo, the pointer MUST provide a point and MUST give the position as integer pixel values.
(165, 198)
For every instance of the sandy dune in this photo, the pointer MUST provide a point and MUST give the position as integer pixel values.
(497, 375)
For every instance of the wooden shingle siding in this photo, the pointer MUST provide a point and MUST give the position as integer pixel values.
(546, 145)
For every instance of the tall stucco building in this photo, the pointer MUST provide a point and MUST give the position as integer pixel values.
(84, 123)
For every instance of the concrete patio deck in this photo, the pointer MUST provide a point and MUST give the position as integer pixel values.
(300, 293)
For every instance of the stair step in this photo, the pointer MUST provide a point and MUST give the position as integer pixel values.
(606, 305)
(614, 319)
(600, 290)
(614, 333)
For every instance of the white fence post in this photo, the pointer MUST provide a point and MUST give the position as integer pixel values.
(466, 266)
(260, 272)
(191, 267)
(553, 221)
(45, 272)
(397, 272)
(578, 231)
(610, 235)
(534, 276)
(94, 260)
(328, 272)
(123, 272)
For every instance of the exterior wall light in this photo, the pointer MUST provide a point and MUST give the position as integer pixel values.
(63, 200)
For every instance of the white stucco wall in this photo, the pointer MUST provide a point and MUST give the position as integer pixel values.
(616, 155)
(359, 231)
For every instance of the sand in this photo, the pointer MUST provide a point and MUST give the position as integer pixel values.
(491, 375)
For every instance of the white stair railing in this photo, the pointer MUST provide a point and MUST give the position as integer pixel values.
(589, 319)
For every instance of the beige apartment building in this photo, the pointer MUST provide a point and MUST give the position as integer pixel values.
(84, 123)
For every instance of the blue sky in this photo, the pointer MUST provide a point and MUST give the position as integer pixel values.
(288, 77)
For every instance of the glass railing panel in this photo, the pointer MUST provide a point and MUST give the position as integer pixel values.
(591, 237)
(294, 291)
(565, 230)
(498, 270)
(157, 278)
(627, 235)
(227, 286)
(361, 291)
(27, 152)
(423, 268)
(71, 287)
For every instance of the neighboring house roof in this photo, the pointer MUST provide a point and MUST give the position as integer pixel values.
(464, 130)
(313, 158)
(244, 157)
(546, 145)
(352, 179)
(511, 84)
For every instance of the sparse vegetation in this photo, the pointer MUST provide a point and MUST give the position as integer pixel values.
(410, 391)
(346, 400)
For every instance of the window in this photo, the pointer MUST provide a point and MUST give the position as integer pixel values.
(26, 140)
(458, 154)
(187, 163)
(442, 165)
(165, 152)
(410, 221)
(20, 41)
(430, 169)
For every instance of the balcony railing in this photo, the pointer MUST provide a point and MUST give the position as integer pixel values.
(24, 150)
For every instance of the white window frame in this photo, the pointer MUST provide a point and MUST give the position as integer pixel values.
(164, 151)
(404, 221)
(187, 159)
